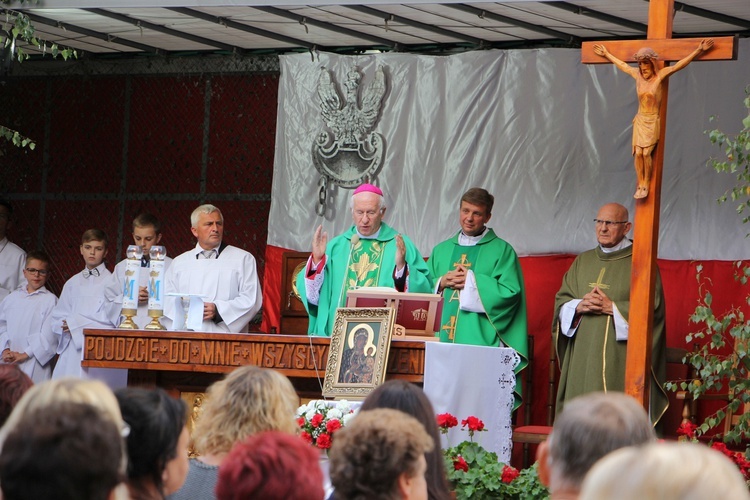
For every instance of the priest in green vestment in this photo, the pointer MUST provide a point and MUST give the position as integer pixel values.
(480, 278)
(591, 318)
(370, 253)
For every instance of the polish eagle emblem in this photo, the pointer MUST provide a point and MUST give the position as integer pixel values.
(347, 151)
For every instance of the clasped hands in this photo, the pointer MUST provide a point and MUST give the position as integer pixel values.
(14, 357)
(595, 302)
(455, 279)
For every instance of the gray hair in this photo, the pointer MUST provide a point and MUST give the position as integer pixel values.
(669, 470)
(203, 209)
(590, 427)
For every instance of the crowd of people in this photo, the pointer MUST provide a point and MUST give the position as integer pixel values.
(76, 439)
(134, 443)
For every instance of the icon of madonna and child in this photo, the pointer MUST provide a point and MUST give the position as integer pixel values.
(358, 358)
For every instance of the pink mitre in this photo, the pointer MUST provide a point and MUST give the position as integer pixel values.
(368, 188)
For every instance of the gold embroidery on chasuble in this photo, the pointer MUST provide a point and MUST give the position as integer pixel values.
(367, 256)
(600, 284)
(450, 328)
(465, 257)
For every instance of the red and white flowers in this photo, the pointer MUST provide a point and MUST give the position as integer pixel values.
(320, 420)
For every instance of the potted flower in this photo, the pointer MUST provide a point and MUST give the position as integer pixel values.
(477, 473)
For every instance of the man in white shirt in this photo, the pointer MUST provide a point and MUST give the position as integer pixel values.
(12, 258)
(225, 277)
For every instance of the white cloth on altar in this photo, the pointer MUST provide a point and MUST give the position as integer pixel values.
(229, 281)
(116, 287)
(467, 380)
(12, 262)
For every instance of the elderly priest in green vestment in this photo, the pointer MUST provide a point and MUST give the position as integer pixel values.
(370, 253)
(480, 278)
(591, 317)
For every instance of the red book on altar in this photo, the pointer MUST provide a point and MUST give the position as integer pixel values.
(418, 314)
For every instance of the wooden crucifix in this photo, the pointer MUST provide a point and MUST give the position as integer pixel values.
(645, 240)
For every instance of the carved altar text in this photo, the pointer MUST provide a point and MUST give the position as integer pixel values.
(205, 352)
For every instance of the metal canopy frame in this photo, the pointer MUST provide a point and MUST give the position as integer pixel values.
(244, 28)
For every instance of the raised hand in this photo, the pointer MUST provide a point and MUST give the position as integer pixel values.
(319, 243)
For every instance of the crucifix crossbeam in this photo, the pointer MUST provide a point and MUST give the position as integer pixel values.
(645, 240)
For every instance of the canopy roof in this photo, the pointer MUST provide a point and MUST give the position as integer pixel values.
(172, 27)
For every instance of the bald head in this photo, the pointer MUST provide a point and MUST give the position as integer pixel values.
(612, 224)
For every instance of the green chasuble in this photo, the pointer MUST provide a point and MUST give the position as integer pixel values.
(372, 263)
(593, 359)
(501, 291)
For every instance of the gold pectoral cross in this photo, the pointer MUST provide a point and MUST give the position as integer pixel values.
(599, 283)
(462, 262)
(450, 328)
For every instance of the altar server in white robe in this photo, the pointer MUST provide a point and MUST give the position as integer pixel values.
(82, 305)
(223, 276)
(146, 233)
(12, 258)
(26, 336)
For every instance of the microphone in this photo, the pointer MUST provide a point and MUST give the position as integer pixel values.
(355, 240)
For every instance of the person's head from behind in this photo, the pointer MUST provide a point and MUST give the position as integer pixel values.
(410, 399)
(273, 466)
(588, 428)
(667, 471)
(93, 247)
(146, 231)
(36, 270)
(158, 439)
(249, 400)
(380, 455)
(65, 451)
(40, 396)
(13, 384)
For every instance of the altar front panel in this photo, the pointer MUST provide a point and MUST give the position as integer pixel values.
(191, 361)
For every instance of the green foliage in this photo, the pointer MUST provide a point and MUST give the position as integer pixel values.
(735, 160)
(16, 138)
(484, 477)
(17, 30)
(721, 351)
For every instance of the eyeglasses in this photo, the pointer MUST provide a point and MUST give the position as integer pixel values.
(607, 223)
(38, 272)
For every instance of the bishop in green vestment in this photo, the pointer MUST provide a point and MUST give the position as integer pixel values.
(479, 275)
(370, 253)
(591, 314)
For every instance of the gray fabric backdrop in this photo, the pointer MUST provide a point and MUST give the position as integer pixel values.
(547, 135)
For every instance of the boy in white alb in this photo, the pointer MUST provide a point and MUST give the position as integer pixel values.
(146, 233)
(25, 333)
(82, 305)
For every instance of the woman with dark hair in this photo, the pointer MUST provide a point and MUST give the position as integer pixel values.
(157, 443)
(410, 399)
